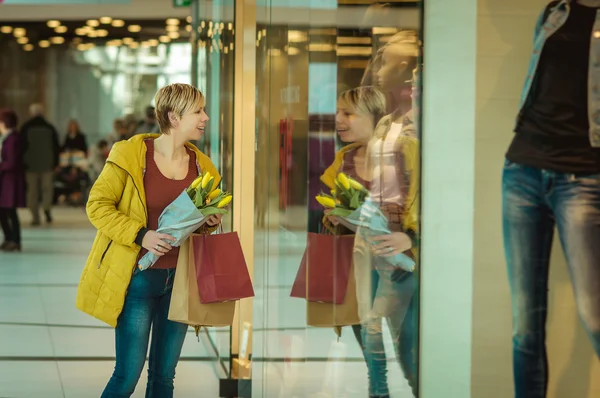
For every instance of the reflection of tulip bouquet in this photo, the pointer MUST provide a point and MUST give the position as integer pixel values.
(188, 212)
(346, 197)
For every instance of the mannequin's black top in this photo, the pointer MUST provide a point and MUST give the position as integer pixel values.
(553, 133)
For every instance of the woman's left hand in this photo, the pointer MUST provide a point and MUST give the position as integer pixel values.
(214, 220)
(391, 245)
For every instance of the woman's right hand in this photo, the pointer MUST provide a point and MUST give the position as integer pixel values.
(156, 243)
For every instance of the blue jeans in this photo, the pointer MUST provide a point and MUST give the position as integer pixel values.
(146, 306)
(397, 302)
(533, 202)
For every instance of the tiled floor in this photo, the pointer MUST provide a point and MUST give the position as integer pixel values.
(49, 349)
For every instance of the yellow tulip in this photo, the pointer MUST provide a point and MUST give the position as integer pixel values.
(356, 185)
(225, 201)
(214, 194)
(325, 201)
(344, 180)
(196, 182)
(205, 180)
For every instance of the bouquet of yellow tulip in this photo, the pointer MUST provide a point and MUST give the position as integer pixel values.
(347, 196)
(208, 198)
(189, 212)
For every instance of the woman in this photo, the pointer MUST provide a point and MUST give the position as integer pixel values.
(393, 158)
(75, 141)
(359, 111)
(141, 177)
(12, 181)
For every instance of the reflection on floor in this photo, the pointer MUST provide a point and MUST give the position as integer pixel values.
(52, 350)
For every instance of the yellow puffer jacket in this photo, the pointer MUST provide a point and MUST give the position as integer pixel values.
(117, 208)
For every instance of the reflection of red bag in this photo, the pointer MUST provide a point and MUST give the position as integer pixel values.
(221, 270)
(325, 268)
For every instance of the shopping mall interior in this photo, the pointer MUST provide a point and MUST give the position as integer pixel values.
(426, 91)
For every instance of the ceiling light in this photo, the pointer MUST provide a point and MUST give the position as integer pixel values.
(93, 23)
(164, 39)
(61, 29)
(188, 28)
(113, 43)
(188, 19)
(19, 32)
(134, 28)
(81, 31)
(145, 44)
(92, 33)
(53, 23)
(118, 23)
(226, 50)
(6, 29)
(153, 42)
(230, 26)
(172, 21)
(134, 45)
(384, 31)
(222, 26)
(231, 46)
(296, 36)
(202, 24)
(293, 51)
(22, 40)
(106, 20)
(28, 47)
(172, 28)
(102, 32)
(264, 32)
(174, 35)
(82, 47)
(127, 40)
(44, 44)
(321, 47)
(57, 40)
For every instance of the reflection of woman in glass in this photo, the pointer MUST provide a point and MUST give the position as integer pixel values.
(393, 158)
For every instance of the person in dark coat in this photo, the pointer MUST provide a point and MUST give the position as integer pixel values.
(41, 148)
(12, 181)
(75, 140)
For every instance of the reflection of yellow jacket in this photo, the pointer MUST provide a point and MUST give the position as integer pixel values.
(329, 175)
(117, 208)
(407, 150)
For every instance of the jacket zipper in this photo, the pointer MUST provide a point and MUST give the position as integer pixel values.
(104, 254)
(135, 185)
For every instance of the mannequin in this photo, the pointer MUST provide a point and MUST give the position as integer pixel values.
(551, 179)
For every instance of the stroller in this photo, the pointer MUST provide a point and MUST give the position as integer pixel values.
(71, 180)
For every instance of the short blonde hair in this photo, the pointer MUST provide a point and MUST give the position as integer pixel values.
(177, 98)
(366, 101)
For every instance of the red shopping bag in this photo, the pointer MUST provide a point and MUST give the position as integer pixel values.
(325, 269)
(221, 270)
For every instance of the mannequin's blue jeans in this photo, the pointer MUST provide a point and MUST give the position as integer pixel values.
(147, 307)
(397, 302)
(534, 201)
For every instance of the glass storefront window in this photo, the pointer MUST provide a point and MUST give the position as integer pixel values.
(336, 312)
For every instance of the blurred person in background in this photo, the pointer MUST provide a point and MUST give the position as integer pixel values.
(75, 140)
(97, 159)
(148, 125)
(120, 132)
(12, 181)
(41, 148)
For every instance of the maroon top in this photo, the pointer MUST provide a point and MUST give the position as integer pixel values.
(349, 168)
(160, 192)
